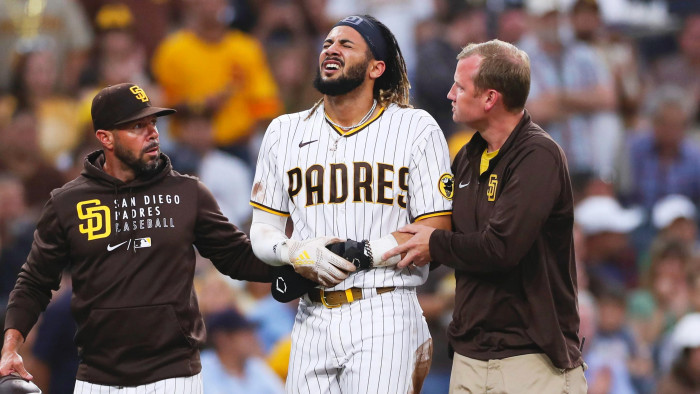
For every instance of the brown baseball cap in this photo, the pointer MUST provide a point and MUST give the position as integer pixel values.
(122, 103)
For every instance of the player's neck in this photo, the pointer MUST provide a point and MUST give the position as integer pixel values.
(348, 109)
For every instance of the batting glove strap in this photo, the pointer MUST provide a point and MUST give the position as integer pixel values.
(381, 246)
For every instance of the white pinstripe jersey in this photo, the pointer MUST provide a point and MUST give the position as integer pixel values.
(360, 184)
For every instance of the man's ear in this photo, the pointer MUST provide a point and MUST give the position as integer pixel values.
(106, 138)
(376, 68)
(492, 97)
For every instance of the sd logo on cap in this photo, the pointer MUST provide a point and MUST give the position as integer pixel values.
(122, 103)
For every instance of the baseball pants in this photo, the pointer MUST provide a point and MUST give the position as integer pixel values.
(180, 385)
(379, 344)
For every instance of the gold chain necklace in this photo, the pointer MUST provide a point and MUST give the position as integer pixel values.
(363, 120)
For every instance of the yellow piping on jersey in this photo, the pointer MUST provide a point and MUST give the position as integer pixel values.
(432, 215)
(270, 210)
(360, 127)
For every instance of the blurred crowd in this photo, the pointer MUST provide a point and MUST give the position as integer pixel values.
(616, 83)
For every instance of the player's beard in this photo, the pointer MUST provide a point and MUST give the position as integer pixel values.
(140, 165)
(353, 78)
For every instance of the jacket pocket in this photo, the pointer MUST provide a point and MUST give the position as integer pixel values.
(130, 341)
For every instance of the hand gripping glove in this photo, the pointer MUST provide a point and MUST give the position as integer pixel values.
(312, 260)
(358, 253)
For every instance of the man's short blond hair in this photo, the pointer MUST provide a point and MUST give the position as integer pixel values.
(504, 68)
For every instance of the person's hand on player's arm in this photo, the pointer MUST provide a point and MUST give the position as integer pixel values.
(416, 249)
(309, 257)
(11, 361)
(386, 252)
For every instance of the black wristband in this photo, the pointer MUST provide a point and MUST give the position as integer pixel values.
(358, 253)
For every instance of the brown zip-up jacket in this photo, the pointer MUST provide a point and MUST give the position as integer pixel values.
(129, 247)
(512, 251)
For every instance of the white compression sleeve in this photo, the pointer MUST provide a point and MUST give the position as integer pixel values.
(381, 246)
(267, 237)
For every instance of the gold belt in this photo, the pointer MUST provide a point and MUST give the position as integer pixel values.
(334, 299)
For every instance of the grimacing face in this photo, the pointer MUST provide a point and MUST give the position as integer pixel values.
(343, 62)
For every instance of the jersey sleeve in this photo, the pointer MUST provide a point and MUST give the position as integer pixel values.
(268, 192)
(430, 181)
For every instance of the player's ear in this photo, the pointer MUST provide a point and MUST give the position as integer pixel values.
(376, 68)
(106, 138)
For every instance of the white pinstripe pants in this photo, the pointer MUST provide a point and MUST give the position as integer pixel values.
(373, 345)
(181, 385)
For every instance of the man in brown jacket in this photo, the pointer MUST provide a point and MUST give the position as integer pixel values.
(515, 323)
(127, 228)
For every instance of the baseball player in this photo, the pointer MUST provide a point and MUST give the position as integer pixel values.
(357, 166)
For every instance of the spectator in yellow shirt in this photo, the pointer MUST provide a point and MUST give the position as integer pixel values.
(224, 71)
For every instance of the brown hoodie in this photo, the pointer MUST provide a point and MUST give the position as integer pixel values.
(130, 250)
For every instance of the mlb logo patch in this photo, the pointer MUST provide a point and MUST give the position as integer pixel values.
(142, 243)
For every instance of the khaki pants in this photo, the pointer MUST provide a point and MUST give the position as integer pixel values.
(529, 373)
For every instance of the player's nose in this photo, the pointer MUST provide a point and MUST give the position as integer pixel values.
(333, 49)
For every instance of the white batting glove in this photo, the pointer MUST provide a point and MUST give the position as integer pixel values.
(312, 260)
